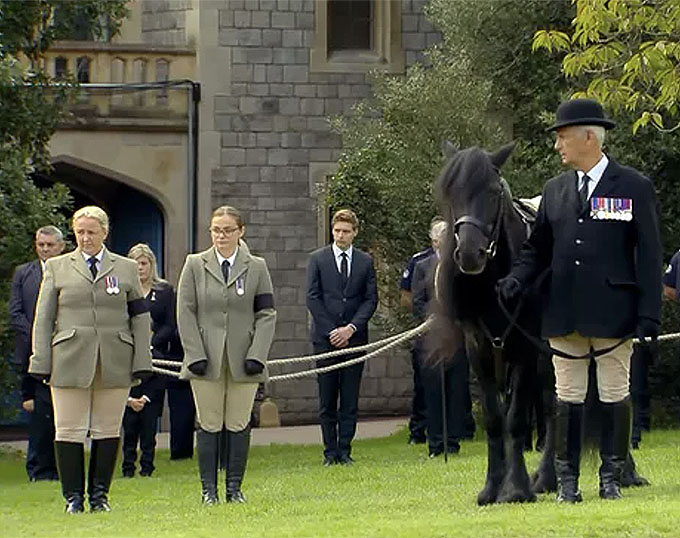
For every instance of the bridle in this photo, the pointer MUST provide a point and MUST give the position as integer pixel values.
(490, 231)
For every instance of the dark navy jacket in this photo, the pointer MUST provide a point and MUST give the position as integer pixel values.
(332, 306)
(602, 275)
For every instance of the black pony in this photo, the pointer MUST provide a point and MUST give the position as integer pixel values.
(484, 235)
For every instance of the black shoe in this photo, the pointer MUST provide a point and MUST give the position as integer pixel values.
(435, 453)
(345, 459)
(236, 497)
(453, 448)
(416, 441)
(129, 474)
(103, 453)
(70, 462)
(207, 448)
(328, 461)
(145, 473)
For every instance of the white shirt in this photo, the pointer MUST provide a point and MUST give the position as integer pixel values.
(337, 252)
(99, 257)
(231, 259)
(595, 174)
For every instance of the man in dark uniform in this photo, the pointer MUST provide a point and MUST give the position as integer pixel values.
(597, 235)
(418, 421)
(36, 399)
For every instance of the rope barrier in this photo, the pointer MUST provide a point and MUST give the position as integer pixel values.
(382, 345)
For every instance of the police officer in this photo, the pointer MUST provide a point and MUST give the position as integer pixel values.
(418, 421)
(597, 236)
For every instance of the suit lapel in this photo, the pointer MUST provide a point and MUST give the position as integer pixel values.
(107, 264)
(209, 258)
(333, 267)
(240, 266)
(608, 181)
(79, 264)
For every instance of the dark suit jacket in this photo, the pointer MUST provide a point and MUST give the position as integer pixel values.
(332, 306)
(603, 274)
(423, 286)
(22, 301)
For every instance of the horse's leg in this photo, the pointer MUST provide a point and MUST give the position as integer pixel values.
(481, 359)
(516, 485)
(544, 479)
(629, 476)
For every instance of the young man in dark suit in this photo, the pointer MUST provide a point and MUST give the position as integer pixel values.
(36, 399)
(597, 236)
(342, 296)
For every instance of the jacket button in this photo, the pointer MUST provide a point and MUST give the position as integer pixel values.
(580, 221)
(344, 300)
(578, 241)
(577, 262)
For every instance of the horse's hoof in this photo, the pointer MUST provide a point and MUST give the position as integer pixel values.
(634, 480)
(516, 495)
(543, 483)
(487, 496)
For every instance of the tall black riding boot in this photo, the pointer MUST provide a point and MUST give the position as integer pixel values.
(616, 424)
(239, 444)
(71, 466)
(568, 442)
(103, 454)
(208, 449)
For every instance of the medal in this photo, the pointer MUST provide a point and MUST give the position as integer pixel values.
(240, 289)
(112, 285)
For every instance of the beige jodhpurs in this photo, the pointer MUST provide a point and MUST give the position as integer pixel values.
(571, 375)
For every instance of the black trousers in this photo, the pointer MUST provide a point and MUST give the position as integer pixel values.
(182, 418)
(40, 462)
(338, 404)
(418, 421)
(456, 396)
(141, 427)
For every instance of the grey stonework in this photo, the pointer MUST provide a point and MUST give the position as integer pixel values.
(273, 121)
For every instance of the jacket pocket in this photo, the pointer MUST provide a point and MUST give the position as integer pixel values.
(126, 337)
(62, 336)
(622, 283)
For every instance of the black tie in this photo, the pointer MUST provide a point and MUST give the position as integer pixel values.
(344, 268)
(225, 270)
(93, 266)
(583, 191)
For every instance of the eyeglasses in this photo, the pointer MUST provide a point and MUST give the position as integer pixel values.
(215, 230)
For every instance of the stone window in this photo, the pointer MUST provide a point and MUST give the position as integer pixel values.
(139, 76)
(355, 36)
(83, 70)
(117, 77)
(60, 67)
(162, 75)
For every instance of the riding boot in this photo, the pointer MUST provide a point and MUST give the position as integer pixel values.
(208, 448)
(71, 466)
(103, 454)
(614, 442)
(568, 442)
(239, 444)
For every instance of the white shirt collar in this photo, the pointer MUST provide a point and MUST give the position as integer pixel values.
(337, 252)
(596, 172)
(231, 259)
(99, 255)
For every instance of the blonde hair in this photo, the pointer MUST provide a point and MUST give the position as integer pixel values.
(346, 215)
(228, 211)
(438, 230)
(142, 249)
(93, 212)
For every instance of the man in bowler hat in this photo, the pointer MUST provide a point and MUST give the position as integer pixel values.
(597, 239)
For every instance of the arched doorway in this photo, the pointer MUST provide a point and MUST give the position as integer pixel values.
(136, 217)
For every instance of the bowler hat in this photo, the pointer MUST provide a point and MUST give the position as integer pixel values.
(581, 112)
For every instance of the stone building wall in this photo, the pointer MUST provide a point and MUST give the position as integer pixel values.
(272, 120)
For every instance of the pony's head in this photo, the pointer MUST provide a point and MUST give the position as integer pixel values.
(473, 201)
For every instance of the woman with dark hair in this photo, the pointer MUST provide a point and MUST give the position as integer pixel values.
(226, 320)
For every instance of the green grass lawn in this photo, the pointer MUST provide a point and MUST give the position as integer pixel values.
(393, 490)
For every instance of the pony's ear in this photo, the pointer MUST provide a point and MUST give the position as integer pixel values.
(499, 157)
(448, 149)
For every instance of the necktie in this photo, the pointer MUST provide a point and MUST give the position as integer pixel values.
(92, 261)
(225, 270)
(344, 268)
(583, 191)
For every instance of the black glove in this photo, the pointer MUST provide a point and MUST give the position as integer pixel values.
(142, 375)
(253, 367)
(647, 328)
(41, 378)
(199, 367)
(509, 288)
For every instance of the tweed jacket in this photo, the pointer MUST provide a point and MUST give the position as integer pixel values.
(603, 274)
(236, 317)
(79, 319)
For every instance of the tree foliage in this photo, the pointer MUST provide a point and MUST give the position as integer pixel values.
(31, 106)
(626, 53)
